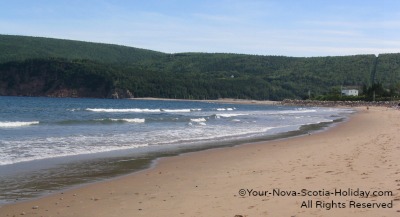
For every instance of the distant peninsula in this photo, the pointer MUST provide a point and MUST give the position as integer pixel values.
(36, 66)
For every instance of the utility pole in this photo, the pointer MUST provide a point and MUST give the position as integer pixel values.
(341, 91)
(373, 96)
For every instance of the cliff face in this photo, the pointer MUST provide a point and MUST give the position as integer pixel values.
(36, 89)
(56, 79)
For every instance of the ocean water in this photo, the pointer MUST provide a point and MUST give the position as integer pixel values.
(47, 144)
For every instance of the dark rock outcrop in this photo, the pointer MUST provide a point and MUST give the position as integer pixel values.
(118, 93)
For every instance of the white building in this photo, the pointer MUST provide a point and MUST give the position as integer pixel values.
(352, 92)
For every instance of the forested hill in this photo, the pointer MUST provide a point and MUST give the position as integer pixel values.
(22, 47)
(63, 68)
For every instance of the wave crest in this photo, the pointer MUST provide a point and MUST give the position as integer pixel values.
(122, 110)
(11, 124)
(198, 120)
(138, 110)
(130, 120)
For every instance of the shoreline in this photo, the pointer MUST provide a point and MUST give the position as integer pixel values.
(223, 100)
(151, 159)
(153, 162)
(289, 102)
(32, 179)
(211, 180)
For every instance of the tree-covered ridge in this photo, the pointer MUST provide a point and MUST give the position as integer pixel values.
(388, 71)
(282, 76)
(22, 47)
(54, 67)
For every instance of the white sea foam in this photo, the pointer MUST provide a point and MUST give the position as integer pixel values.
(43, 153)
(72, 110)
(176, 110)
(225, 109)
(130, 120)
(325, 121)
(11, 124)
(122, 110)
(198, 120)
(229, 115)
(140, 110)
(295, 111)
(51, 147)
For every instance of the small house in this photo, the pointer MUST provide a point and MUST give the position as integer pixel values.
(352, 92)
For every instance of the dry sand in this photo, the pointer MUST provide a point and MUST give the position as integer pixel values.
(362, 153)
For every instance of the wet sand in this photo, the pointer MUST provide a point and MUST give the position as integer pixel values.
(360, 155)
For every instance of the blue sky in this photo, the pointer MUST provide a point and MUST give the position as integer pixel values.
(265, 27)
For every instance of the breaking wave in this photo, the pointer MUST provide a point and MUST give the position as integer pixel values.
(11, 124)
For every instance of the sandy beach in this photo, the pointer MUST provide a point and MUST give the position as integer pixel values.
(352, 169)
